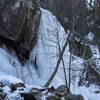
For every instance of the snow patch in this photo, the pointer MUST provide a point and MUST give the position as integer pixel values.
(90, 36)
(10, 79)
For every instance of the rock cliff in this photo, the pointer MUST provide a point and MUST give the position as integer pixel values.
(19, 21)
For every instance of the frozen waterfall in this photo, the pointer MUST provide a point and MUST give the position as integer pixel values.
(43, 57)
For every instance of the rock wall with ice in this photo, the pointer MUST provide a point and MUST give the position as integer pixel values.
(43, 57)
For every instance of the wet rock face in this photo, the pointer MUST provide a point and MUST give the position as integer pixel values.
(19, 21)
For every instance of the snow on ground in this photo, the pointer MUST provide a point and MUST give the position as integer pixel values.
(13, 96)
(95, 51)
(87, 92)
(10, 79)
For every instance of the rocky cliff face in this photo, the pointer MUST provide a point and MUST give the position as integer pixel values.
(19, 21)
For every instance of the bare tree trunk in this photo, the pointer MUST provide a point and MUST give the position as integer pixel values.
(58, 62)
(64, 68)
(70, 59)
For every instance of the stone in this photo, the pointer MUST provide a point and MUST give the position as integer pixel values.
(51, 98)
(1, 84)
(1, 90)
(36, 93)
(28, 96)
(63, 89)
(17, 85)
(75, 97)
(2, 96)
(32, 94)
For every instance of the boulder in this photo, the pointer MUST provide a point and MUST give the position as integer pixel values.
(2, 96)
(19, 21)
(63, 89)
(33, 94)
(17, 85)
(28, 96)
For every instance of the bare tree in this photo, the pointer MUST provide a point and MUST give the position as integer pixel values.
(58, 62)
(64, 67)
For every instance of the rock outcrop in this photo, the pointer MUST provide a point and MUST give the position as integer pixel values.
(19, 21)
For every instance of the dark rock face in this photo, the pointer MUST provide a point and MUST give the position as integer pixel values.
(19, 21)
(13, 16)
